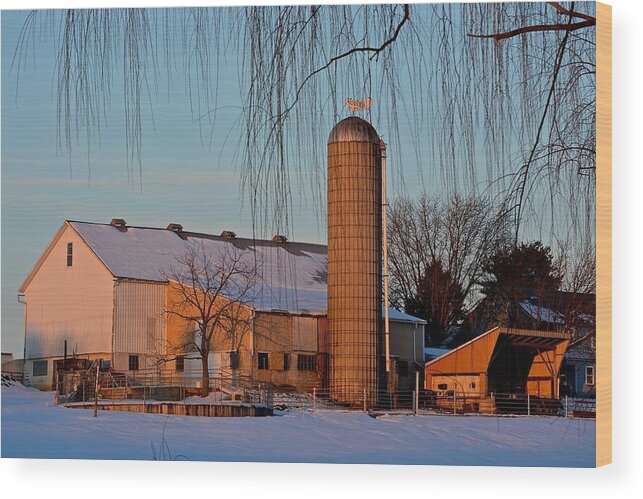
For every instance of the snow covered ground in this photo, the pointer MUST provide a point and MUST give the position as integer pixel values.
(32, 426)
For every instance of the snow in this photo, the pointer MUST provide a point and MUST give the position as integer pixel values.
(541, 313)
(434, 353)
(293, 274)
(33, 427)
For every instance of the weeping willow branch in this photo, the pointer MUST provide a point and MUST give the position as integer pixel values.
(458, 114)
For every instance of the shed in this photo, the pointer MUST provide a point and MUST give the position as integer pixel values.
(505, 361)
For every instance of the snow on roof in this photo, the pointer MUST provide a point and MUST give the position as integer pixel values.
(434, 353)
(293, 274)
(542, 313)
(397, 316)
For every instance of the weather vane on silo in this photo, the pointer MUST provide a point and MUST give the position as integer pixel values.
(355, 105)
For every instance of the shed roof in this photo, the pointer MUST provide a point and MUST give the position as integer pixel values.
(478, 350)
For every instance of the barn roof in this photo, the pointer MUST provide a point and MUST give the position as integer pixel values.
(293, 274)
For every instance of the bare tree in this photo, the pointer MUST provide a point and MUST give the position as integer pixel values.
(209, 292)
(454, 237)
(578, 268)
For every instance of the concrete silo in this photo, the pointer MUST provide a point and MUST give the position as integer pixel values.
(354, 259)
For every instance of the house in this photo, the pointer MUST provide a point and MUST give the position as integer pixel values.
(546, 310)
(578, 373)
(104, 291)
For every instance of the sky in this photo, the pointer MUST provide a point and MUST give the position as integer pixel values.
(185, 179)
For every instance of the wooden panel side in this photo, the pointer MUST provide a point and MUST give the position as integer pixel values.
(604, 235)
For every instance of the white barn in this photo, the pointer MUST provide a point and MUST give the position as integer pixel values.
(101, 288)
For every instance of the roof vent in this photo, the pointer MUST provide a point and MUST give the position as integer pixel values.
(119, 223)
(278, 238)
(228, 234)
(175, 227)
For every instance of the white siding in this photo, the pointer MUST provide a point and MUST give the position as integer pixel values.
(139, 319)
(69, 303)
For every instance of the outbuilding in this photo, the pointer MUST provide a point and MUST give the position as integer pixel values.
(506, 362)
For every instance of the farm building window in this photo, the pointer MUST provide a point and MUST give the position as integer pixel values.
(105, 364)
(262, 360)
(286, 361)
(589, 375)
(306, 363)
(442, 386)
(133, 363)
(40, 368)
(179, 363)
(70, 254)
(403, 368)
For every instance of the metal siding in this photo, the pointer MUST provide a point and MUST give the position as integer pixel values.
(354, 259)
(304, 334)
(139, 318)
(69, 303)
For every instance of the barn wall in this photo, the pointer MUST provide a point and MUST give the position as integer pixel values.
(472, 358)
(545, 371)
(406, 341)
(281, 335)
(68, 303)
(139, 320)
(180, 331)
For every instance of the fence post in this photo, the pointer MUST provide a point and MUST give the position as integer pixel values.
(566, 407)
(528, 405)
(365, 408)
(454, 401)
(314, 399)
(415, 405)
(417, 391)
(96, 391)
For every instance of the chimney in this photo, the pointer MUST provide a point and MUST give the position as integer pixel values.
(119, 223)
(228, 234)
(278, 238)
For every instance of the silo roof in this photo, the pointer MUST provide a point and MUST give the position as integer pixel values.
(353, 129)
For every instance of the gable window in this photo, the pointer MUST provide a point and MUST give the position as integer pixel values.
(306, 362)
(179, 363)
(133, 363)
(262, 360)
(40, 368)
(589, 375)
(70, 254)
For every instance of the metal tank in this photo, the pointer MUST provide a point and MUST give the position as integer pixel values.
(354, 260)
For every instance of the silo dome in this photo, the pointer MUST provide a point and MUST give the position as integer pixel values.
(353, 129)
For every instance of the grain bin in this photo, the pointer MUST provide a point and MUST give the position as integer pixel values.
(354, 260)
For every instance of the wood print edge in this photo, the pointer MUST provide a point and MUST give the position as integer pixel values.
(604, 234)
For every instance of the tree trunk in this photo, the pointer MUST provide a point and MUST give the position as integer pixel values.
(205, 387)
